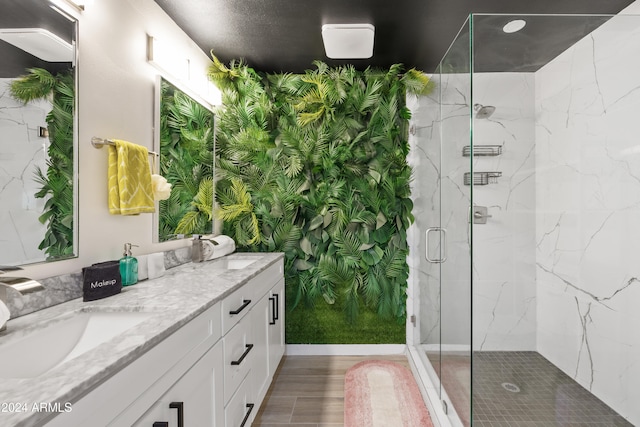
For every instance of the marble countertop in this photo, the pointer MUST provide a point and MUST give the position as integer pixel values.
(172, 301)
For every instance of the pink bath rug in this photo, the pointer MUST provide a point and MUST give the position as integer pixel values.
(380, 393)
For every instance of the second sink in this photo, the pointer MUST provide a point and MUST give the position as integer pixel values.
(233, 264)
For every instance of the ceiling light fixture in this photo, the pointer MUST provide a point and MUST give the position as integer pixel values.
(39, 42)
(514, 26)
(348, 41)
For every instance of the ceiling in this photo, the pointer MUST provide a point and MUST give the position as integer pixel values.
(285, 35)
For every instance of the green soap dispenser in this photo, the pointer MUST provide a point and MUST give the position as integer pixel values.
(128, 267)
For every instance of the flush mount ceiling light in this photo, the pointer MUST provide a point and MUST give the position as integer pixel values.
(348, 41)
(514, 26)
(39, 42)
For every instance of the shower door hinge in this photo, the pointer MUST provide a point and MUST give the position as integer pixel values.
(413, 320)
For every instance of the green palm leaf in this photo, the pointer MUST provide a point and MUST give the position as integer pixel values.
(314, 165)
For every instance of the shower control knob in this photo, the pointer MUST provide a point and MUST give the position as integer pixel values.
(480, 215)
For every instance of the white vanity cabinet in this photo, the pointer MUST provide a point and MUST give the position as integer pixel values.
(192, 401)
(269, 321)
(212, 372)
(251, 315)
(276, 339)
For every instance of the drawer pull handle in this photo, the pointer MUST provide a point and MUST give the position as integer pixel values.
(273, 310)
(180, 407)
(161, 424)
(239, 361)
(245, 304)
(246, 416)
(277, 297)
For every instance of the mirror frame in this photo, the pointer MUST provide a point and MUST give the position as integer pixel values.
(157, 146)
(74, 22)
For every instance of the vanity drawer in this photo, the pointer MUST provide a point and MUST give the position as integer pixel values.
(239, 353)
(236, 306)
(241, 409)
(239, 303)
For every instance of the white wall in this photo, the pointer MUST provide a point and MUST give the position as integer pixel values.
(116, 93)
(588, 222)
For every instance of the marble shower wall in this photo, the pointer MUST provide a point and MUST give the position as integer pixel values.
(588, 213)
(21, 152)
(504, 286)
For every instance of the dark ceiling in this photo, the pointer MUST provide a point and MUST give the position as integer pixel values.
(285, 35)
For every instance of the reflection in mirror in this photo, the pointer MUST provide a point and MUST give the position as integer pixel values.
(185, 129)
(37, 150)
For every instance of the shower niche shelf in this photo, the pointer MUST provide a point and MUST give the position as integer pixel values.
(482, 150)
(482, 178)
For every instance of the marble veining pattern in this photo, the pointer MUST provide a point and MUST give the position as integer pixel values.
(22, 151)
(177, 257)
(196, 286)
(588, 205)
(59, 289)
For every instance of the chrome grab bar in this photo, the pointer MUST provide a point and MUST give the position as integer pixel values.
(443, 245)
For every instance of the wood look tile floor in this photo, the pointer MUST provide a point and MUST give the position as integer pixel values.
(308, 391)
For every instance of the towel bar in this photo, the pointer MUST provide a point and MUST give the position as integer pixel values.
(101, 142)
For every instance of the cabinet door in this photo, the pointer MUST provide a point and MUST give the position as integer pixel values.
(260, 373)
(242, 408)
(276, 326)
(197, 397)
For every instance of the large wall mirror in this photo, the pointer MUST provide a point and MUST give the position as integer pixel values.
(185, 139)
(38, 128)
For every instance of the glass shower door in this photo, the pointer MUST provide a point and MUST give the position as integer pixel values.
(448, 239)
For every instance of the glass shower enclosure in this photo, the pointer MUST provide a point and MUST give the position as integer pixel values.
(525, 271)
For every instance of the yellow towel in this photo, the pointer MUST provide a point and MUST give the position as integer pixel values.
(130, 190)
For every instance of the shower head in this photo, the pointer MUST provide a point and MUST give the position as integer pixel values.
(483, 111)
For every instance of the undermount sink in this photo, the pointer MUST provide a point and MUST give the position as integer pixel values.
(63, 339)
(234, 264)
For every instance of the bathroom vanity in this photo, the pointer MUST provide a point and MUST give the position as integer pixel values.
(196, 347)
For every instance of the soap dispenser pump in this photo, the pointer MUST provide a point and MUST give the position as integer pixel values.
(128, 267)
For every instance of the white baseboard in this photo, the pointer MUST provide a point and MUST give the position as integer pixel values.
(344, 349)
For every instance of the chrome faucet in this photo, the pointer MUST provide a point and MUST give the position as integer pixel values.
(23, 285)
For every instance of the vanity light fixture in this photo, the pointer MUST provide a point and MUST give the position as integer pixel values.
(176, 67)
(348, 41)
(166, 60)
(79, 5)
(514, 26)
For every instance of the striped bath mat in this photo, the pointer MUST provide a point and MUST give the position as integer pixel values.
(381, 393)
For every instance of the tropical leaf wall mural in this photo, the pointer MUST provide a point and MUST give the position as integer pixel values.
(314, 165)
(57, 179)
(186, 161)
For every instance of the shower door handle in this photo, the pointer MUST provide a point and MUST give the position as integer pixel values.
(443, 245)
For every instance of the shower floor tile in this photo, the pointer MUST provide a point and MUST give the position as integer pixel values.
(521, 389)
